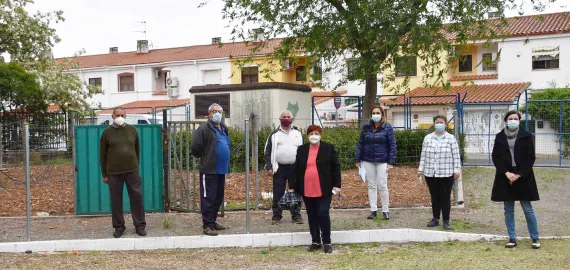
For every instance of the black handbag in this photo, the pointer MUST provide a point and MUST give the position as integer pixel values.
(290, 201)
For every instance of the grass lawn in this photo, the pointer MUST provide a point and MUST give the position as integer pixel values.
(449, 255)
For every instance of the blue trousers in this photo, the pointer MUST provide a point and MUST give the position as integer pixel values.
(529, 215)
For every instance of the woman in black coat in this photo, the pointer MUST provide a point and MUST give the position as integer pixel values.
(317, 178)
(513, 156)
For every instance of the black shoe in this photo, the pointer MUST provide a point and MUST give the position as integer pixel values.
(535, 244)
(373, 215)
(512, 243)
(298, 220)
(275, 221)
(328, 248)
(433, 223)
(385, 215)
(314, 246)
(210, 231)
(119, 232)
(219, 227)
(141, 231)
(446, 225)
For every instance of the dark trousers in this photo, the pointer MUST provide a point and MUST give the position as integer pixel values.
(211, 197)
(284, 172)
(134, 188)
(440, 191)
(319, 218)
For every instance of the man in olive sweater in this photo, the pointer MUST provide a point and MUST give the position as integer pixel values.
(120, 157)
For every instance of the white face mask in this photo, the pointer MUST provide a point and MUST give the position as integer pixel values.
(119, 121)
(314, 139)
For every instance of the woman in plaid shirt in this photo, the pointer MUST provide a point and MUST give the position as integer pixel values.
(440, 164)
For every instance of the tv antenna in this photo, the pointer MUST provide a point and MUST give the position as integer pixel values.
(144, 31)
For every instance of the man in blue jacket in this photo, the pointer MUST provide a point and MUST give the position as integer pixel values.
(211, 143)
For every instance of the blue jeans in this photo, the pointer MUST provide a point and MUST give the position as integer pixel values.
(529, 215)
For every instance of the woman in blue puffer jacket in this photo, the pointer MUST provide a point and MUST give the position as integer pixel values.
(376, 151)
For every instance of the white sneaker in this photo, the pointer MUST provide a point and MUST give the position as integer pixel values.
(535, 244)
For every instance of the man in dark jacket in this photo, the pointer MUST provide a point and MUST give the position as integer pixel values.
(119, 156)
(211, 143)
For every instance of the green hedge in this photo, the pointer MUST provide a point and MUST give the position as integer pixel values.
(409, 145)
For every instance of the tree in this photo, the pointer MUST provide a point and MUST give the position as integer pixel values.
(23, 36)
(19, 89)
(28, 39)
(375, 32)
(555, 110)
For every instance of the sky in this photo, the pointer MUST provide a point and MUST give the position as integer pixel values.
(97, 25)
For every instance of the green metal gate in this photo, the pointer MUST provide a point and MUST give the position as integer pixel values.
(92, 195)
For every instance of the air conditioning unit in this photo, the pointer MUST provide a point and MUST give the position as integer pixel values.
(175, 92)
(287, 64)
(451, 51)
(172, 82)
(157, 74)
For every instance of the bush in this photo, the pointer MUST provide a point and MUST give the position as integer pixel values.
(409, 146)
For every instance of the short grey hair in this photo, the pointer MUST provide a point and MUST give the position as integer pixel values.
(119, 108)
(286, 111)
(440, 116)
(214, 105)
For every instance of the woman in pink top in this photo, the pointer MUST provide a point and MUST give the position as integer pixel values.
(317, 176)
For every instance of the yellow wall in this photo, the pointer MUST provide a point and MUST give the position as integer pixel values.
(417, 81)
(276, 75)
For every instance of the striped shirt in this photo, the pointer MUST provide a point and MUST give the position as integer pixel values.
(440, 157)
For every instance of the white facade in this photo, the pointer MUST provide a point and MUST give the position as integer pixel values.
(267, 104)
(147, 84)
(332, 78)
(515, 63)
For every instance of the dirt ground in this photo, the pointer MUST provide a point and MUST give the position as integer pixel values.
(52, 190)
(479, 215)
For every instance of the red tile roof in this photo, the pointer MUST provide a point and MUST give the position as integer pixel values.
(532, 25)
(474, 77)
(483, 93)
(322, 97)
(146, 106)
(53, 108)
(236, 49)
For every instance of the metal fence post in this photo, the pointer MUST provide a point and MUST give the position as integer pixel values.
(71, 146)
(255, 154)
(247, 176)
(27, 168)
(166, 160)
(458, 186)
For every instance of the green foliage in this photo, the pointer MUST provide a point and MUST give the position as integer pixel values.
(374, 32)
(23, 36)
(345, 139)
(18, 88)
(556, 112)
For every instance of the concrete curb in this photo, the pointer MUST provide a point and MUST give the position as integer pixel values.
(243, 240)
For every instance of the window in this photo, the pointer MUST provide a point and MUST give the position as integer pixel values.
(351, 65)
(317, 71)
(406, 66)
(466, 63)
(211, 77)
(300, 74)
(249, 75)
(142, 122)
(95, 81)
(203, 102)
(126, 82)
(488, 63)
(546, 57)
(540, 124)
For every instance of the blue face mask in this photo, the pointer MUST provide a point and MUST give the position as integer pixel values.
(513, 124)
(376, 118)
(217, 117)
(439, 127)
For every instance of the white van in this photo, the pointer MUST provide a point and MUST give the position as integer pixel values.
(131, 119)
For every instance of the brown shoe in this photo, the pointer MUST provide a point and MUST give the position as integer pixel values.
(210, 231)
(219, 227)
(298, 220)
